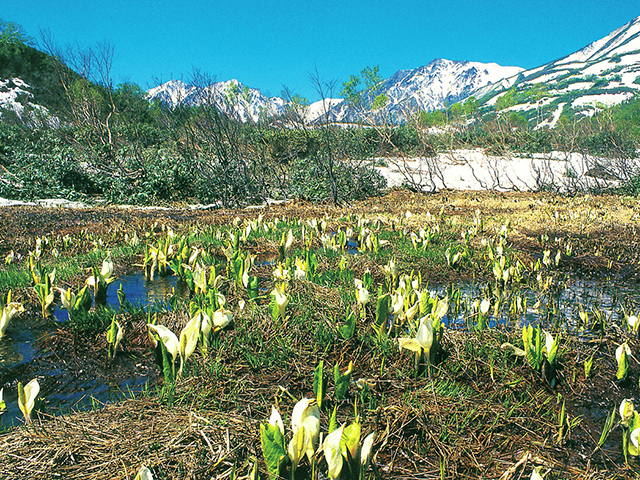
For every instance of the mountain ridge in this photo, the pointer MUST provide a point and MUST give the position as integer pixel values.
(429, 87)
(604, 73)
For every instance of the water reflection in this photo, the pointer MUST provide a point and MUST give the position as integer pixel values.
(20, 359)
(17, 345)
(606, 296)
(139, 291)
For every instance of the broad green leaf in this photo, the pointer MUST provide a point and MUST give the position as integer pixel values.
(347, 329)
(342, 381)
(253, 289)
(382, 310)
(623, 366)
(273, 449)
(167, 364)
(351, 440)
(333, 420)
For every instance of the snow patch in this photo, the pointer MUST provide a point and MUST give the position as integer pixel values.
(606, 99)
(554, 118)
(475, 170)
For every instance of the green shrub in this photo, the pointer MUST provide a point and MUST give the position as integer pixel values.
(309, 180)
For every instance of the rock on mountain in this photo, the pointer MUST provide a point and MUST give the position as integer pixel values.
(440, 84)
(605, 72)
(430, 87)
(231, 97)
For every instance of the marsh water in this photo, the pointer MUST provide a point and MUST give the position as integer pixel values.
(19, 352)
(21, 359)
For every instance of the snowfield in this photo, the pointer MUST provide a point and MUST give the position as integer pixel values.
(476, 170)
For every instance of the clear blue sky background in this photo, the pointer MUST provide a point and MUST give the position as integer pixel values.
(276, 43)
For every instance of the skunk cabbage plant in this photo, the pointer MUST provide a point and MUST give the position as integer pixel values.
(100, 281)
(9, 311)
(114, 337)
(623, 353)
(279, 302)
(27, 398)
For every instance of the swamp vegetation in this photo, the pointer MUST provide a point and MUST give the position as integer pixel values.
(509, 309)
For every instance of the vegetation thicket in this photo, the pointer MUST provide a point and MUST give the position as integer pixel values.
(100, 140)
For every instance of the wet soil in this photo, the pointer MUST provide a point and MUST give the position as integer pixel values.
(604, 235)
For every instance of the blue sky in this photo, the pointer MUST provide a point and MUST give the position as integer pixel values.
(271, 44)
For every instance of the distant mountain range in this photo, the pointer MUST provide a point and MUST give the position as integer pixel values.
(230, 96)
(430, 87)
(605, 72)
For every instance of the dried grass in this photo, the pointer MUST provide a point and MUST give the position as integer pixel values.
(115, 441)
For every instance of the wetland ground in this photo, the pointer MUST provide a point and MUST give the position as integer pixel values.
(476, 411)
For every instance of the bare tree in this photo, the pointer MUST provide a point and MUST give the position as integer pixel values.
(84, 73)
(211, 137)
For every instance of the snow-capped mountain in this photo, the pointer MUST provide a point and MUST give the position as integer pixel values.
(605, 72)
(430, 87)
(441, 83)
(231, 97)
(16, 97)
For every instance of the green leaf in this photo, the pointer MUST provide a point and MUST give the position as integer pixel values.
(122, 297)
(273, 449)
(333, 420)
(273, 308)
(351, 441)
(312, 264)
(83, 301)
(347, 329)
(252, 288)
(425, 304)
(379, 102)
(551, 356)
(367, 280)
(623, 366)
(22, 399)
(607, 428)
(382, 310)
(112, 333)
(167, 364)
(319, 383)
(238, 270)
(342, 381)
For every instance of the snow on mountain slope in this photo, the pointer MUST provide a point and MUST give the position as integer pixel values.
(430, 87)
(317, 109)
(623, 40)
(16, 97)
(172, 93)
(605, 72)
(442, 82)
